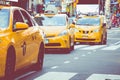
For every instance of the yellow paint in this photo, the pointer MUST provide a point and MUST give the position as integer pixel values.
(24, 34)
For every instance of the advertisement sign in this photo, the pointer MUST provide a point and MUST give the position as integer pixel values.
(85, 8)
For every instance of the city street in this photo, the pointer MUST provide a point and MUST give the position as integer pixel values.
(86, 62)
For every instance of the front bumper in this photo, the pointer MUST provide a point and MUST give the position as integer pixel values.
(57, 42)
(93, 37)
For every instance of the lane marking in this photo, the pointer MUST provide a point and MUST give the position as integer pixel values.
(93, 47)
(112, 47)
(114, 38)
(22, 76)
(103, 77)
(89, 53)
(76, 58)
(117, 43)
(79, 46)
(54, 67)
(83, 55)
(66, 62)
(56, 76)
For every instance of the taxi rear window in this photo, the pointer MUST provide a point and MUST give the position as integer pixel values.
(54, 21)
(4, 18)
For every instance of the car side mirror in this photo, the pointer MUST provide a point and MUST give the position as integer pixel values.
(72, 25)
(21, 26)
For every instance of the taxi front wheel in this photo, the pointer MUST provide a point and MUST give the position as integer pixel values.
(103, 40)
(10, 64)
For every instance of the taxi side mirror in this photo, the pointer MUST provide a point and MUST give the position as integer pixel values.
(72, 25)
(21, 26)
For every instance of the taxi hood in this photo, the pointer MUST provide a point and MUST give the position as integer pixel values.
(53, 30)
(87, 27)
(4, 32)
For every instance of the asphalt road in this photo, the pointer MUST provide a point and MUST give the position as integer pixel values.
(86, 62)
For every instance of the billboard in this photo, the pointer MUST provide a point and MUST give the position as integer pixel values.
(86, 8)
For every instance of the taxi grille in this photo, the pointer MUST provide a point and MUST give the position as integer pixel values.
(85, 32)
(53, 44)
(85, 39)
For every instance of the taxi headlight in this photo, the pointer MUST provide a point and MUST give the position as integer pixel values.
(63, 33)
(96, 30)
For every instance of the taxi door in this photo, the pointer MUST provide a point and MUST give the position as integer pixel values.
(34, 38)
(21, 39)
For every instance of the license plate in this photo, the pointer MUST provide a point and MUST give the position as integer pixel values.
(85, 36)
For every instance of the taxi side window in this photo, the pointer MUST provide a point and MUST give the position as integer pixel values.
(17, 18)
(27, 18)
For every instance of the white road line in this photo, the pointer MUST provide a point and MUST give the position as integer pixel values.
(93, 47)
(56, 76)
(114, 38)
(24, 75)
(80, 46)
(54, 67)
(83, 55)
(117, 42)
(103, 77)
(112, 47)
(76, 58)
(89, 53)
(66, 62)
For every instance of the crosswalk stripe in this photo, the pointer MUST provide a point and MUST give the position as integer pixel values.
(103, 77)
(93, 47)
(101, 47)
(56, 76)
(80, 46)
(112, 47)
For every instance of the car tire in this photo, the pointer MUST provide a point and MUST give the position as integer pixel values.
(10, 64)
(102, 40)
(39, 65)
(105, 39)
(72, 48)
(67, 50)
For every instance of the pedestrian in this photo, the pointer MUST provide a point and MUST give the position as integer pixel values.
(118, 18)
(114, 20)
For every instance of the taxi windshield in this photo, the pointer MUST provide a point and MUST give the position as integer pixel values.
(54, 21)
(88, 21)
(4, 18)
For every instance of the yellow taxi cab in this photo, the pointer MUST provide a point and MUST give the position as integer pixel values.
(90, 29)
(21, 42)
(58, 34)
